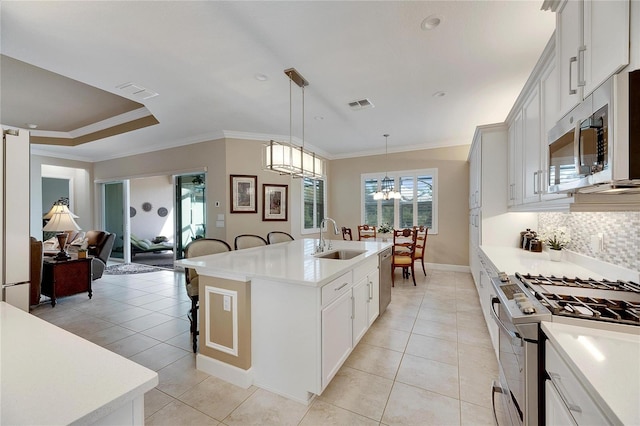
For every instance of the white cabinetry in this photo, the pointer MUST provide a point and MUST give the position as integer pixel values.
(531, 147)
(515, 161)
(365, 300)
(572, 395)
(336, 336)
(592, 45)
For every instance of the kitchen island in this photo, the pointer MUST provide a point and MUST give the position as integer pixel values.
(49, 376)
(282, 317)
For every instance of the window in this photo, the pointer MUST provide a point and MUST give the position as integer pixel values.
(416, 206)
(313, 204)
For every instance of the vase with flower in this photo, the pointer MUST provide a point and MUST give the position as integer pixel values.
(556, 240)
(385, 231)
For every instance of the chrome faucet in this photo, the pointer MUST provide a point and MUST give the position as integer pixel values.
(322, 243)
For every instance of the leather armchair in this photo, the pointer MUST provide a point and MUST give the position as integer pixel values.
(99, 246)
(35, 274)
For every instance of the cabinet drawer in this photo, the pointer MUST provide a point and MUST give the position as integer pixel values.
(581, 406)
(336, 287)
(365, 269)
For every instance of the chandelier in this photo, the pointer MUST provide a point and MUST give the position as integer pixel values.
(386, 191)
(285, 157)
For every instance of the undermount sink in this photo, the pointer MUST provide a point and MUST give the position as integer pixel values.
(341, 254)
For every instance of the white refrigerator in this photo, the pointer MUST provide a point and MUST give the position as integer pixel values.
(14, 218)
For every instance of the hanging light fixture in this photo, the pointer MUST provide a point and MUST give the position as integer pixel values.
(386, 191)
(285, 157)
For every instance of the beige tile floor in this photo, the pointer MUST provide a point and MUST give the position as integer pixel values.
(426, 361)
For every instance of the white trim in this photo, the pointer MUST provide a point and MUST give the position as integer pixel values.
(208, 290)
(447, 267)
(227, 372)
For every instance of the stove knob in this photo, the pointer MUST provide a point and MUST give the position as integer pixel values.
(527, 308)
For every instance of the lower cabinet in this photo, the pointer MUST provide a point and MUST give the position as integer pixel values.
(337, 338)
(366, 306)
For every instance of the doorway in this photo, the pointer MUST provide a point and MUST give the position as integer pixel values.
(114, 219)
(191, 210)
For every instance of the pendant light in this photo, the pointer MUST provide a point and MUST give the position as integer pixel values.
(287, 158)
(386, 191)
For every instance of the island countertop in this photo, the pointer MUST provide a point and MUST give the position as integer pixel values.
(293, 262)
(50, 376)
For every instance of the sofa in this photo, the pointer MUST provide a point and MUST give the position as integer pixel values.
(99, 245)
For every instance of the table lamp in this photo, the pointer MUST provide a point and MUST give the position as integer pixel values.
(61, 221)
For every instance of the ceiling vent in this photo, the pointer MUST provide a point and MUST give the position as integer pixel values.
(136, 91)
(361, 104)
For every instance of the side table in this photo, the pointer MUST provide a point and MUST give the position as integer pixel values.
(66, 277)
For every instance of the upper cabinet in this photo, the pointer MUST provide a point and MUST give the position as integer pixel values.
(592, 43)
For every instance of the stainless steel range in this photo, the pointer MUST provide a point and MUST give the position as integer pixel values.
(523, 301)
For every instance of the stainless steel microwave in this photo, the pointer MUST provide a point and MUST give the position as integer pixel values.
(588, 151)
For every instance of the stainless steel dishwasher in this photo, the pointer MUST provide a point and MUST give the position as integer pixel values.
(385, 278)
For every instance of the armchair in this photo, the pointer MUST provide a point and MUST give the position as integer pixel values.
(100, 244)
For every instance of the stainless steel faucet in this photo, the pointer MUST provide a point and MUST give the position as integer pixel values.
(322, 243)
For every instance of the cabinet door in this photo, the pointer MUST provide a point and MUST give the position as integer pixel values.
(360, 305)
(606, 34)
(568, 41)
(374, 296)
(531, 144)
(556, 413)
(336, 336)
(475, 175)
(515, 161)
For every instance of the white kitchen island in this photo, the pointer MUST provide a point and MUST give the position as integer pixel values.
(49, 376)
(283, 318)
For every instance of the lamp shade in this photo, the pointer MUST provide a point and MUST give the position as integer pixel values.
(59, 208)
(62, 221)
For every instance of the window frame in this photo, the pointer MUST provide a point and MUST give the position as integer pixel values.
(303, 230)
(396, 175)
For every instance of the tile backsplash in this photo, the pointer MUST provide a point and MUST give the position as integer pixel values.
(621, 234)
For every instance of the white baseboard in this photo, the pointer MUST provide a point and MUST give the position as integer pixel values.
(446, 267)
(224, 371)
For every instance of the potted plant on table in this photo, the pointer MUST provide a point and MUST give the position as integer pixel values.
(556, 240)
(385, 231)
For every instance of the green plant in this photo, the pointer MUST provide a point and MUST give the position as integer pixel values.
(556, 239)
(385, 228)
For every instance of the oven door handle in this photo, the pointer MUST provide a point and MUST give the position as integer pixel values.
(496, 318)
(495, 388)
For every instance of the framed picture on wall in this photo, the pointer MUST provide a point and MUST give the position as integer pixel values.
(244, 197)
(274, 202)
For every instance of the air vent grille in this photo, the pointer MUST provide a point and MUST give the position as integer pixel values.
(361, 104)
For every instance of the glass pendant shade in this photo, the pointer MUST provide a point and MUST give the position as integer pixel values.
(292, 160)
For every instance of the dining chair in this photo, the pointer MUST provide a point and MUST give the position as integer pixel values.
(244, 241)
(366, 231)
(199, 247)
(421, 245)
(274, 237)
(346, 232)
(404, 246)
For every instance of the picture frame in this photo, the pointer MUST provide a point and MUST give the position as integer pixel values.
(244, 197)
(275, 203)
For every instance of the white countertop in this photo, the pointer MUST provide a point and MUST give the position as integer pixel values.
(292, 262)
(513, 259)
(50, 376)
(606, 362)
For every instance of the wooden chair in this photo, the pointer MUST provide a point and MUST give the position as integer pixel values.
(248, 240)
(404, 247)
(346, 232)
(421, 245)
(199, 247)
(366, 231)
(274, 237)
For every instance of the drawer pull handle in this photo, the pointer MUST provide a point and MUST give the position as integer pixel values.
(341, 287)
(555, 379)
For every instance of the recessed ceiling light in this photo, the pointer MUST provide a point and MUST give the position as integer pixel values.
(32, 126)
(261, 77)
(431, 22)
(439, 94)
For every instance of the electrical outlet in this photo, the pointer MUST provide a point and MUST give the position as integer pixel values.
(597, 243)
(226, 304)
